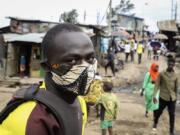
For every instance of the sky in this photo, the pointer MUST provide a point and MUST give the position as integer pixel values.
(50, 10)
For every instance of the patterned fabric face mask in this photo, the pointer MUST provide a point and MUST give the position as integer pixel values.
(77, 79)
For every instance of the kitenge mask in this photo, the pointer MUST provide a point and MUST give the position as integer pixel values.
(76, 79)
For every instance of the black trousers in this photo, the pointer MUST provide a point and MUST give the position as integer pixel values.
(126, 57)
(110, 64)
(139, 58)
(132, 56)
(171, 106)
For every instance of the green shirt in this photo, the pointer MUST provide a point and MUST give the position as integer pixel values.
(167, 82)
(110, 103)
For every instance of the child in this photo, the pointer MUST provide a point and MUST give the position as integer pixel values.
(109, 108)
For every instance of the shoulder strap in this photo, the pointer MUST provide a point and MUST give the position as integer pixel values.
(69, 116)
(18, 99)
(12, 105)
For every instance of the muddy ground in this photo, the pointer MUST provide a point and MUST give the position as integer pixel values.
(131, 119)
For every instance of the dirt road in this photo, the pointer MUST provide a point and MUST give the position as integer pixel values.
(131, 119)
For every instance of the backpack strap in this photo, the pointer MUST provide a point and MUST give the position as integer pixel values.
(28, 93)
(10, 107)
(69, 116)
(21, 96)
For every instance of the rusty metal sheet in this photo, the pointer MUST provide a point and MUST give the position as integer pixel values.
(168, 25)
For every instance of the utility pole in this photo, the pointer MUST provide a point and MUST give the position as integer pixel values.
(172, 9)
(98, 17)
(84, 16)
(110, 15)
(176, 9)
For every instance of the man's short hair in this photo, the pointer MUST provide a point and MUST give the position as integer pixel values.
(170, 58)
(107, 86)
(48, 41)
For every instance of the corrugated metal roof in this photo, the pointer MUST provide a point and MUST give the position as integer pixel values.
(168, 25)
(8, 36)
(30, 37)
(30, 20)
(131, 16)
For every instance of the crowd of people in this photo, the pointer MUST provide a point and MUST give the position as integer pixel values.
(131, 48)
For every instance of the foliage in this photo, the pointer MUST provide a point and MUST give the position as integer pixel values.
(70, 17)
(124, 6)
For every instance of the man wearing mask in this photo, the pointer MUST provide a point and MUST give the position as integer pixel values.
(167, 83)
(70, 65)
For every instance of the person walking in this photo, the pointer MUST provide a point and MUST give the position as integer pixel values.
(132, 43)
(148, 88)
(167, 83)
(150, 49)
(135, 45)
(127, 50)
(55, 109)
(140, 52)
(155, 53)
(109, 108)
(110, 61)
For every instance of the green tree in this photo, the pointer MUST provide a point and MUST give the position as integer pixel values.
(70, 17)
(123, 7)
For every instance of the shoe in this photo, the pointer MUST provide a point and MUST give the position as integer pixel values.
(146, 115)
(154, 128)
(171, 134)
(154, 131)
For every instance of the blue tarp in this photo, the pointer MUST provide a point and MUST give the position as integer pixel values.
(104, 45)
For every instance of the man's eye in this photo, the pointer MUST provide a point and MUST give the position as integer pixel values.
(91, 60)
(71, 61)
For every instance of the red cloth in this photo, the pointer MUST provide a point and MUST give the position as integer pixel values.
(153, 72)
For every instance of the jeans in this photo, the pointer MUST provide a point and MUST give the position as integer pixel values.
(171, 106)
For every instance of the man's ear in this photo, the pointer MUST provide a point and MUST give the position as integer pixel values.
(45, 66)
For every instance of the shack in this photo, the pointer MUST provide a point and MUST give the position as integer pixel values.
(170, 29)
(133, 24)
(96, 37)
(23, 37)
(29, 46)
